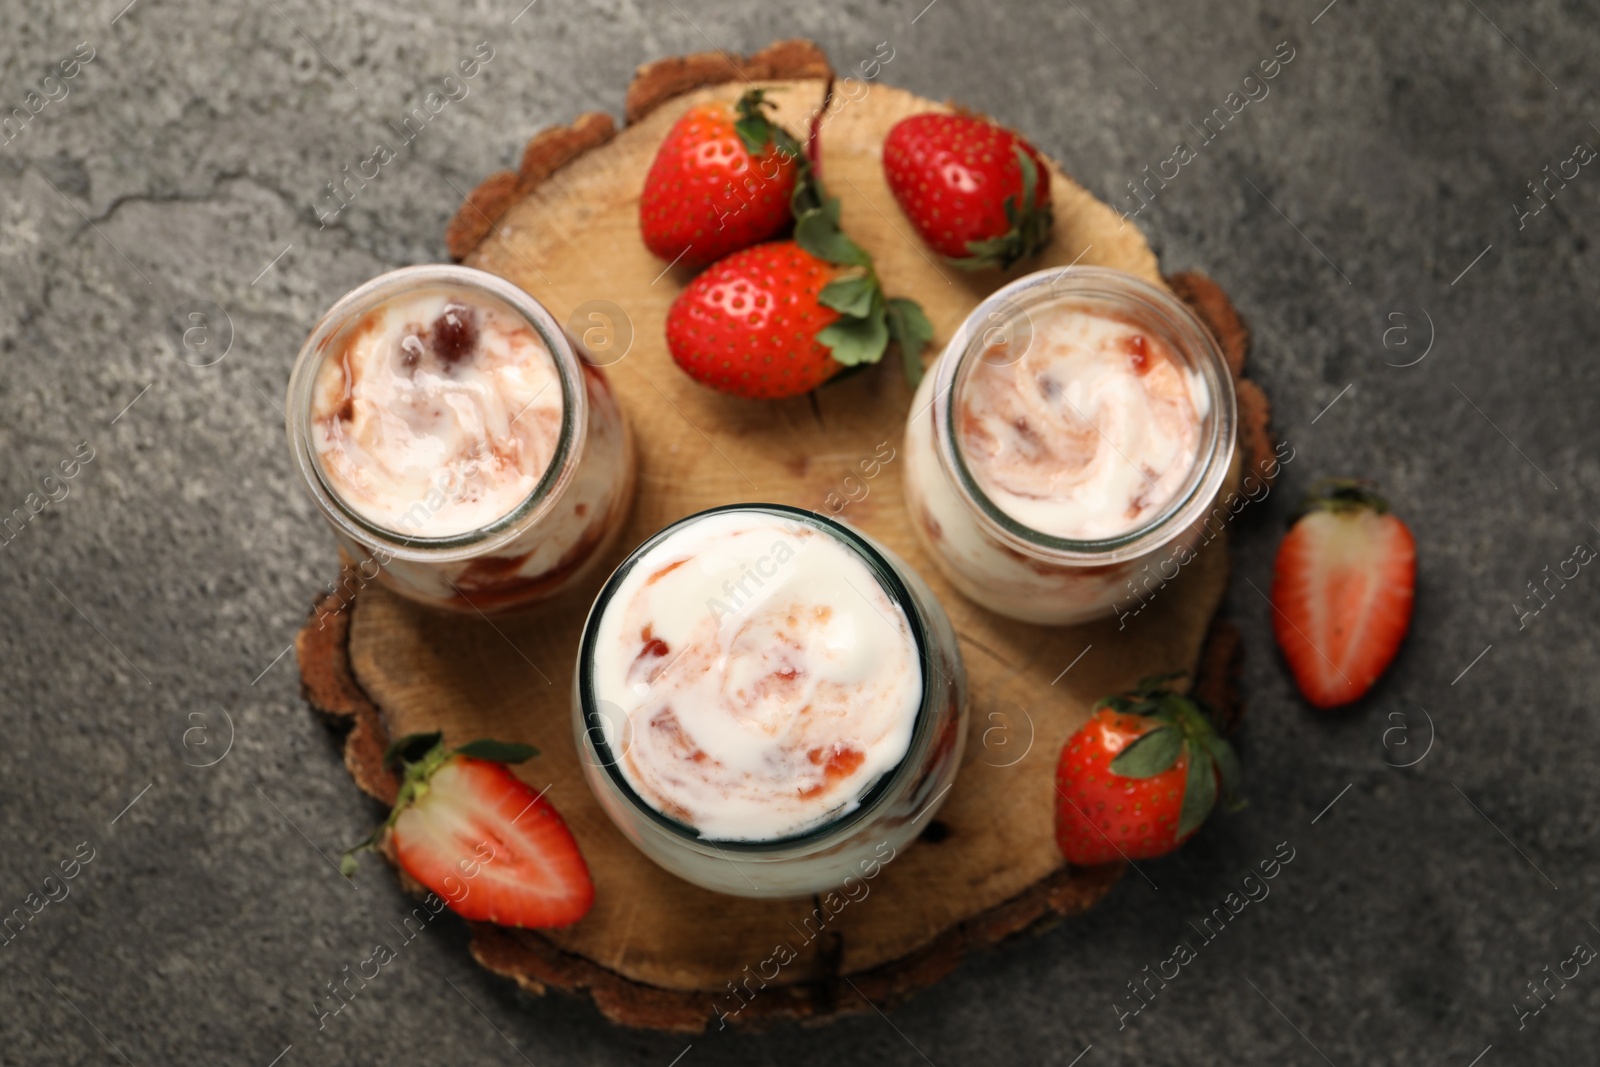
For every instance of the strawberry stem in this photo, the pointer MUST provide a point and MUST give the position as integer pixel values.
(868, 320)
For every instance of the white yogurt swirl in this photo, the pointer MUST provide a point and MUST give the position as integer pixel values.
(437, 413)
(1087, 435)
(754, 678)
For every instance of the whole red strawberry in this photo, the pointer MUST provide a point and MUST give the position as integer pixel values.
(1140, 776)
(976, 192)
(479, 837)
(1342, 592)
(721, 181)
(775, 321)
(749, 325)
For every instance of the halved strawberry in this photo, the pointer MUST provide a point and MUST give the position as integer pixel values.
(1342, 592)
(480, 837)
(1139, 778)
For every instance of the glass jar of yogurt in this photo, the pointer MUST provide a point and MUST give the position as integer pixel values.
(767, 702)
(462, 452)
(1076, 430)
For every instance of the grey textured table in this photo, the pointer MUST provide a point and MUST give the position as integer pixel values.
(1376, 198)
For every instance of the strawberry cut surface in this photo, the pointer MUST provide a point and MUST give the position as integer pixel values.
(488, 844)
(1342, 593)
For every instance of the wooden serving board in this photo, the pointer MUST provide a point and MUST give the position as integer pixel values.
(656, 951)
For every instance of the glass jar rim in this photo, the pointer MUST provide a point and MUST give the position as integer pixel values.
(557, 473)
(881, 791)
(1182, 329)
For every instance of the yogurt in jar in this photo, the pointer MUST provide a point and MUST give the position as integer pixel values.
(1087, 433)
(758, 679)
(1068, 444)
(464, 455)
(438, 415)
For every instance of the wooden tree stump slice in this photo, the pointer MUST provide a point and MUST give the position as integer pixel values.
(656, 951)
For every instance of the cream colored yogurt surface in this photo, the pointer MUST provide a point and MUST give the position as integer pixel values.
(754, 678)
(1088, 433)
(437, 414)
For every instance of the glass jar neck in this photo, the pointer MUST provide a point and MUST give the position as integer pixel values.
(398, 544)
(1154, 308)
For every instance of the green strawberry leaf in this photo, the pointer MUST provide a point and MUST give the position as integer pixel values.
(1150, 754)
(1200, 795)
(857, 340)
(1175, 707)
(818, 232)
(752, 125)
(867, 320)
(756, 133)
(497, 751)
(808, 194)
(850, 294)
(816, 222)
(911, 330)
(1018, 209)
(1150, 683)
(1210, 756)
(831, 206)
(982, 255)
